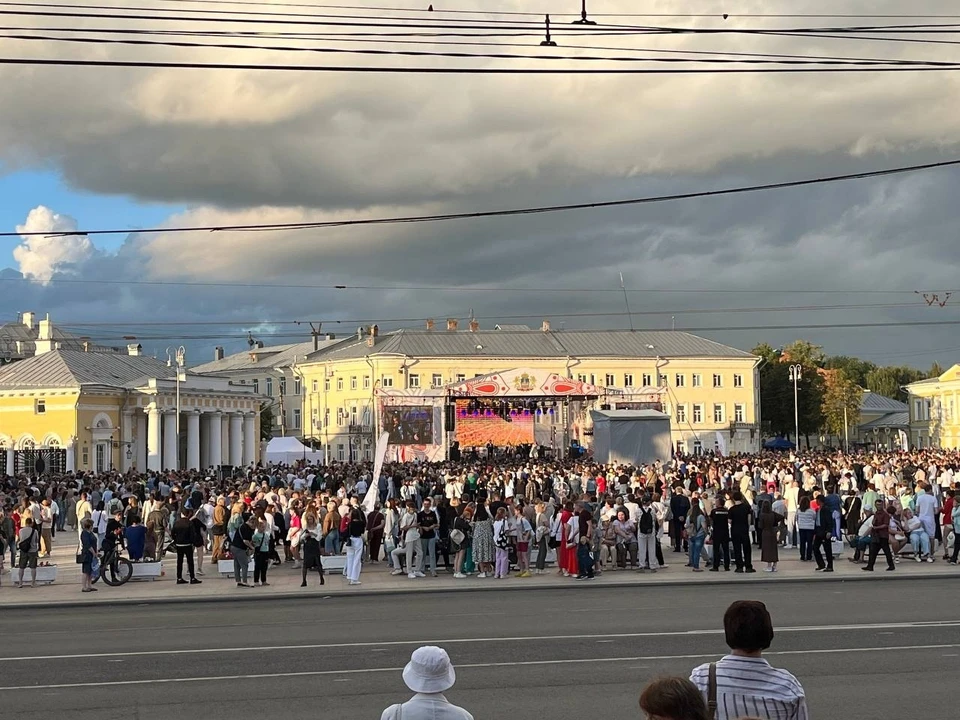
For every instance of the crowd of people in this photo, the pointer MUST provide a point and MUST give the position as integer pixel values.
(512, 516)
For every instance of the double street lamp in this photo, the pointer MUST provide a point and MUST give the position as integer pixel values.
(795, 375)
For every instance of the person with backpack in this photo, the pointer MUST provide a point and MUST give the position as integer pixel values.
(29, 546)
(501, 539)
(646, 536)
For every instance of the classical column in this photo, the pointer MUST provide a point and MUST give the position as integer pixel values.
(216, 439)
(170, 441)
(250, 444)
(71, 454)
(11, 458)
(193, 440)
(153, 438)
(140, 445)
(204, 441)
(224, 457)
(126, 438)
(236, 439)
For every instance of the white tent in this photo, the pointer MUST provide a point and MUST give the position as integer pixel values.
(289, 450)
(631, 437)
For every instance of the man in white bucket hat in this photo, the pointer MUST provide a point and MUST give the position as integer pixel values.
(429, 674)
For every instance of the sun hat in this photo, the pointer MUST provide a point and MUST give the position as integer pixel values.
(429, 670)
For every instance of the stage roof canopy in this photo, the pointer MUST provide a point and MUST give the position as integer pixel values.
(524, 382)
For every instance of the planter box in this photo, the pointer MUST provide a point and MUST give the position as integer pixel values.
(147, 571)
(333, 562)
(45, 575)
(225, 568)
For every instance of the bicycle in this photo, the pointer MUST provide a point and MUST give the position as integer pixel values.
(114, 568)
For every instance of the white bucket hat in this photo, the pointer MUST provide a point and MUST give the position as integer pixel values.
(429, 670)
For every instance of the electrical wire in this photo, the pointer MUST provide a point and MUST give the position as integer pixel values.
(466, 55)
(508, 213)
(705, 329)
(694, 311)
(472, 288)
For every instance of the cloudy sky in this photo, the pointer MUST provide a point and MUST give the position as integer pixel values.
(138, 148)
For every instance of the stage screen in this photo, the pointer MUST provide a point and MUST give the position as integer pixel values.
(409, 424)
(477, 426)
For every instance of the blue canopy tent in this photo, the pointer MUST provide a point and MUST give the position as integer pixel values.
(779, 443)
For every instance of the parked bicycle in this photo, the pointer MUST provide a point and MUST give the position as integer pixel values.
(114, 568)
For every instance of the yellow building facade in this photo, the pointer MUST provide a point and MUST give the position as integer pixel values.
(934, 406)
(709, 390)
(70, 410)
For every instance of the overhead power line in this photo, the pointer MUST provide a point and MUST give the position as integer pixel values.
(465, 55)
(705, 329)
(507, 213)
(654, 313)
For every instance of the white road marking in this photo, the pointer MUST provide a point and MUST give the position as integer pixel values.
(467, 641)
(467, 666)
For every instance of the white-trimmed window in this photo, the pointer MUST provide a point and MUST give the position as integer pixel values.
(366, 382)
(647, 379)
(680, 380)
(681, 414)
(40, 406)
(268, 383)
(414, 380)
(717, 380)
(353, 382)
(718, 412)
(628, 380)
(697, 414)
(697, 380)
(738, 381)
(437, 380)
(610, 381)
(297, 386)
(387, 381)
(339, 383)
(738, 413)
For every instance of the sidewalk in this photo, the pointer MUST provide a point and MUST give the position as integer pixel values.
(284, 582)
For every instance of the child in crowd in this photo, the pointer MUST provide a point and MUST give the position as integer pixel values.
(585, 559)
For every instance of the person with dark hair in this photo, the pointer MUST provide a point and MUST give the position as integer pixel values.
(741, 516)
(673, 698)
(823, 538)
(743, 683)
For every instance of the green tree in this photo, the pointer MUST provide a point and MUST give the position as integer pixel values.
(935, 370)
(805, 353)
(889, 380)
(854, 368)
(266, 423)
(841, 401)
(777, 393)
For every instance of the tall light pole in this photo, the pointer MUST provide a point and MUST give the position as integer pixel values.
(795, 375)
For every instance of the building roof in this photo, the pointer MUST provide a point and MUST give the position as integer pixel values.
(890, 420)
(17, 332)
(75, 368)
(272, 356)
(873, 403)
(534, 344)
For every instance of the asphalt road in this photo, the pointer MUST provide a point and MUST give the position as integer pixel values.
(557, 654)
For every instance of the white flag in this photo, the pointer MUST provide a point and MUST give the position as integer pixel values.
(721, 444)
(904, 443)
(373, 492)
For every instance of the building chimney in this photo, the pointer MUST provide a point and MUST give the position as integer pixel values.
(546, 326)
(218, 352)
(28, 318)
(375, 331)
(359, 333)
(330, 336)
(134, 349)
(86, 344)
(372, 337)
(474, 326)
(45, 342)
(452, 324)
(316, 341)
(431, 324)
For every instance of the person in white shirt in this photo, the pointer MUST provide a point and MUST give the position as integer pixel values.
(791, 496)
(409, 544)
(429, 674)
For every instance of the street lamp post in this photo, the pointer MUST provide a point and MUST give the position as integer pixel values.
(795, 375)
(180, 355)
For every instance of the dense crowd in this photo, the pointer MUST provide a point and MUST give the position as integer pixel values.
(493, 518)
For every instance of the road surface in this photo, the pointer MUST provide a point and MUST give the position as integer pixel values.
(580, 652)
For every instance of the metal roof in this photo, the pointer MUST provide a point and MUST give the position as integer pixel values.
(273, 356)
(75, 368)
(890, 420)
(534, 344)
(12, 333)
(872, 403)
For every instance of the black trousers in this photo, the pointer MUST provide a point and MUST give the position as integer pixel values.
(261, 560)
(823, 543)
(660, 554)
(876, 546)
(721, 548)
(741, 551)
(185, 551)
(676, 532)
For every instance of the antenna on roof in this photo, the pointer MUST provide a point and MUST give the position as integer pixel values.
(626, 301)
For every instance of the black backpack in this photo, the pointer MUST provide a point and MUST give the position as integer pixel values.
(645, 526)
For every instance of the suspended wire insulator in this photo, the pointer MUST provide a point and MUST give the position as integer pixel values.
(583, 16)
(548, 42)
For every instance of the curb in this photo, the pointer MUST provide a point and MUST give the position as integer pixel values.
(553, 585)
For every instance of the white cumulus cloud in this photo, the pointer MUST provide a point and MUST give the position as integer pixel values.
(41, 257)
